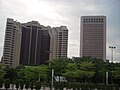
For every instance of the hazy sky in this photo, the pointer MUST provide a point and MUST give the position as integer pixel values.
(64, 12)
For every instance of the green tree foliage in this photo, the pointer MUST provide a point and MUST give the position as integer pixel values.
(71, 71)
(79, 69)
(27, 74)
(86, 69)
(7, 83)
(58, 65)
(2, 71)
(11, 74)
(21, 84)
(37, 85)
(99, 67)
(32, 85)
(116, 72)
(33, 73)
(27, 85)
(1, 83)
(20, 67)
(17, 83)
(41, 72)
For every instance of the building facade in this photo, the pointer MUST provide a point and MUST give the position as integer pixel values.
(12, 43)
(93, 37)
(33, 44)
(59, 42)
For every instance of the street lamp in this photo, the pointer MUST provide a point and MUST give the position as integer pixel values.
(112, 48)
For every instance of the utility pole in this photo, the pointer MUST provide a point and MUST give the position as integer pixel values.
(106, 78)
(52, 78)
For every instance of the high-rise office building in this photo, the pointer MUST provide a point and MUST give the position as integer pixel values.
(33, 44)
(93, 37)
(59, 42)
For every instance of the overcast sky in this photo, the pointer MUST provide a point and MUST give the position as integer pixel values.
(64, 12)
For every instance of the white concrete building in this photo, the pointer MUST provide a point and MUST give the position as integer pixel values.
(58, 42)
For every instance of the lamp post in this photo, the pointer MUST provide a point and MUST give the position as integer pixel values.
(112, 48)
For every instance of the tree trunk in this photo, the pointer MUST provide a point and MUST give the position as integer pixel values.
(43, 87)
(39, 78)
(12, 86)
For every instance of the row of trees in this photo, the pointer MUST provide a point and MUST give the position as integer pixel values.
(79, 70)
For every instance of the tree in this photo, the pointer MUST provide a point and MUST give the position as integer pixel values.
(7, 84)
(20, 67)
(58, 65)
(27, 74)
(116, 74)
(2, 73)
(2, 66)
(17, 81)
(32, 85)
(41, 72)
(10, 73)
(1, 83)
(33, 73)
(86, 70)
(37, 85)
(21, 82)
(71, 71)
(27, 85)
(98, 68)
